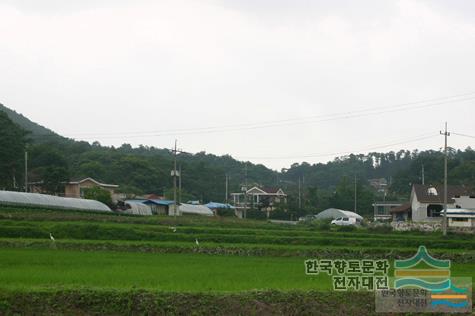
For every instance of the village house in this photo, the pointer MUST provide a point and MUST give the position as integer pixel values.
(263, 199)
(382, 210)
(76, 189)
(427, 203)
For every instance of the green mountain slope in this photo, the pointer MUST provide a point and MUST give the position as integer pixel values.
(35, 129)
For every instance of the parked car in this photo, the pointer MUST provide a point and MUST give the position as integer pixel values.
(307, 218)
(346, 221)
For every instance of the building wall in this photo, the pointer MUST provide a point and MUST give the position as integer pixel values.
(468, 223)
(400, 217)
(74, 190)
(465, 202)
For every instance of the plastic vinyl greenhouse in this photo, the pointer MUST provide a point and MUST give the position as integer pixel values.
(137, 208)
(49, 201)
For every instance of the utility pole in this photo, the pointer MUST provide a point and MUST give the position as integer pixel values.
(300, 195)
(446, 134)
(355, 194)
(423, 176)
(245, 190)
(26, 171)
(174, 181)
(227, 185)
(179, 185)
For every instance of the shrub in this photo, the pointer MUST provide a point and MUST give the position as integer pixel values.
(256, 214)
(323, 225)
(349, 228)
(380, 229)
(98, 194)
(225, 212)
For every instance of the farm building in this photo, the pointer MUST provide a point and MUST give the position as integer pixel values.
(458, 217)
(382, 210)
(159, 207)
(333, 213)
(76, 189)
(9, 198)
(427, 203)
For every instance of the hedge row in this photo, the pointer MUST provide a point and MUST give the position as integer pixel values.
(94, 302)
(235, 250)
(124, 232)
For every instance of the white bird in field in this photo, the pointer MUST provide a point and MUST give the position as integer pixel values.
(51, 236)
(173, 229)
(196, 242)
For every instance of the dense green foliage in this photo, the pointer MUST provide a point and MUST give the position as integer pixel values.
(144, 169)
(141, 302)
(98, 194)
(12, 147)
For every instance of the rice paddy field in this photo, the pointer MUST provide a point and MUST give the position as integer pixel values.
(111, 264)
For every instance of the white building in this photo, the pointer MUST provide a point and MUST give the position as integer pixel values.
(427, 203)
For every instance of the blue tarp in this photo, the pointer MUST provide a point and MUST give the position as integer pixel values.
(159, 202)
(215, 205)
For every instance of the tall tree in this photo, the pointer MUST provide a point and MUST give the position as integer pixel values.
(12, 147)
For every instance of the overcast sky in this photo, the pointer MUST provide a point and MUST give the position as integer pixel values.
(273, 81)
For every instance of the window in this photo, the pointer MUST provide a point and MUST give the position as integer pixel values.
(381, 210)
(345, 219)
(459, 219)
(433, 210)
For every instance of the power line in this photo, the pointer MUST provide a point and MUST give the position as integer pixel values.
(335, 154)
(464, 135)
(302, 120)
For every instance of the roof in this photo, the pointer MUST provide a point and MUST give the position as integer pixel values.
(159, 202)
(267, 190)
(406, 207)
(195, 209)
(452, 191)
(387, 203)
(335, 213)
(50, 201)
(270, 189)
(215, 205)
(95, 181)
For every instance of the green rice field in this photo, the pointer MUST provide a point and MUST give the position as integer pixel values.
(96, 255)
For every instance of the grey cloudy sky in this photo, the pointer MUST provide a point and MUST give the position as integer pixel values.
(275, 82)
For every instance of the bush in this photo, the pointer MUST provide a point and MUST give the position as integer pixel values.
(98, 194)
(256, 214)
(380, 229)
(280, 215)
(323, 225)
(349, 228)
(225, 212)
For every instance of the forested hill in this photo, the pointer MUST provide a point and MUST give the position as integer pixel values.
(54, 159)
(26, 123)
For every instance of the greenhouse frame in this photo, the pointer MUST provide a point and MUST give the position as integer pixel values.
(11, 198)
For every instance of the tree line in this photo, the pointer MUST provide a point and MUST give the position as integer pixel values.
(55, 160)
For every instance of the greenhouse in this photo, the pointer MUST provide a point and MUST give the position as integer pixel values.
(9, 198)
(137, 208)
(194, 209)
(333, 213)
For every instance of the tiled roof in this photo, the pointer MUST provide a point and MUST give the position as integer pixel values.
(423, 195)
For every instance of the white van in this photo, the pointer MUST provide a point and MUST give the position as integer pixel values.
(345, 221)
